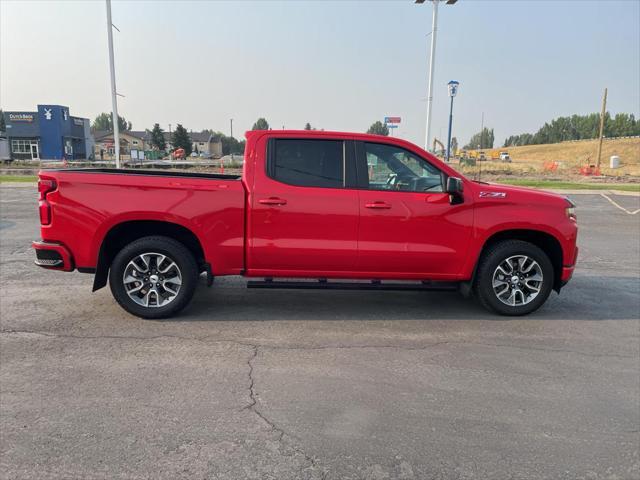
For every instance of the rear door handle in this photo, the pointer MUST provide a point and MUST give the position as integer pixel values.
(378, 205)
(272, 201)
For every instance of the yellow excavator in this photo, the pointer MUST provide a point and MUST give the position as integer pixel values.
(443, 151)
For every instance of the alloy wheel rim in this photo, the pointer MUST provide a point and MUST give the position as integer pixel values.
(152, 279)
(517, 280)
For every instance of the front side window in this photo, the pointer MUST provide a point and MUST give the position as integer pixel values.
(394, 168)
(308, 163)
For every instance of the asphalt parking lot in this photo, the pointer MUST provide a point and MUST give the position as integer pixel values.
(263, 384)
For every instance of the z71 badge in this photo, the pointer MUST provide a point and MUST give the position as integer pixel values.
(493, 194)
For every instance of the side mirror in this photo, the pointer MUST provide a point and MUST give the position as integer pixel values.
(455, 187)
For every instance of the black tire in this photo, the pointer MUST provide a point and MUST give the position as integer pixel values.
(495, 256)
(174, 251)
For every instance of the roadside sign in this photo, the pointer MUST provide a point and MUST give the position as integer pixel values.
(392, 119)
(392, 126)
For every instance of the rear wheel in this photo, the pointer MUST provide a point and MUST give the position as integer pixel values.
(514, 278)
(153, 277)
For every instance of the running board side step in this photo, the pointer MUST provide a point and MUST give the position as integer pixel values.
(323, 284)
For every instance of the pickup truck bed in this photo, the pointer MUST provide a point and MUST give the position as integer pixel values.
(156, 173)
(89, 203)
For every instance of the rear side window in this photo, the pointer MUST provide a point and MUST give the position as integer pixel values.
(308, 163)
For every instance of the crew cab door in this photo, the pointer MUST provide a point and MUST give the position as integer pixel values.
(408, 226)
(303, 218)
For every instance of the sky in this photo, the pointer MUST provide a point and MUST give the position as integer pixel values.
(340, 65)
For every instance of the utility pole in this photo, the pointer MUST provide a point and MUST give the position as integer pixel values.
(604, 108)
(114, 99)
(231, 143)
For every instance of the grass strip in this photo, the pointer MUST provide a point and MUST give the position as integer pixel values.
(18, 178)
(558, 185)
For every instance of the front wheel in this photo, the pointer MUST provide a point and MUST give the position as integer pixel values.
(514, 278)
(153, 277)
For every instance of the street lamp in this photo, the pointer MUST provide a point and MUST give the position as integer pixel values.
(453, 90)
(434, 28)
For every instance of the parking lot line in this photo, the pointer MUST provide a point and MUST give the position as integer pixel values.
(620, 206)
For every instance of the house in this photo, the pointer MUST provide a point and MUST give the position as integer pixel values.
(202, 143)
(105, 147)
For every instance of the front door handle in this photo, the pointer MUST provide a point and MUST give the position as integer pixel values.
(272, 201)
(378, 205)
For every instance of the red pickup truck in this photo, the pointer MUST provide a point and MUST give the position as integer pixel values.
(310, 210)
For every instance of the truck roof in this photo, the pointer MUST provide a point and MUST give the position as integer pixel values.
(254, 134)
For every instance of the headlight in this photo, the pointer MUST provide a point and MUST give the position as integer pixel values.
(571, 210)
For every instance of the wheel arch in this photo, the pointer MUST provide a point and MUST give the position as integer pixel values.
(126, 232)
(543, 240)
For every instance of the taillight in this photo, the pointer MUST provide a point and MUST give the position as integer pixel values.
(45, 186)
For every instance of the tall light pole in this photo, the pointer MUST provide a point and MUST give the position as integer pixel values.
(432, 56)
(453, 90)
(114, 98)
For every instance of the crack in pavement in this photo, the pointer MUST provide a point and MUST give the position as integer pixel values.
(211, 339)
(252, 406)
(310, 465)
(312, 461)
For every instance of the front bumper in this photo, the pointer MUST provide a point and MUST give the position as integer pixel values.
(53, 256)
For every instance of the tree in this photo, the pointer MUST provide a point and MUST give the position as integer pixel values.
(483, 139)
(308, 126)
(157, 138)
(181, 139)
(3, 126)
(578, 127)
(622, 125)
(378, 128)
(104, 121)
(261, 124)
